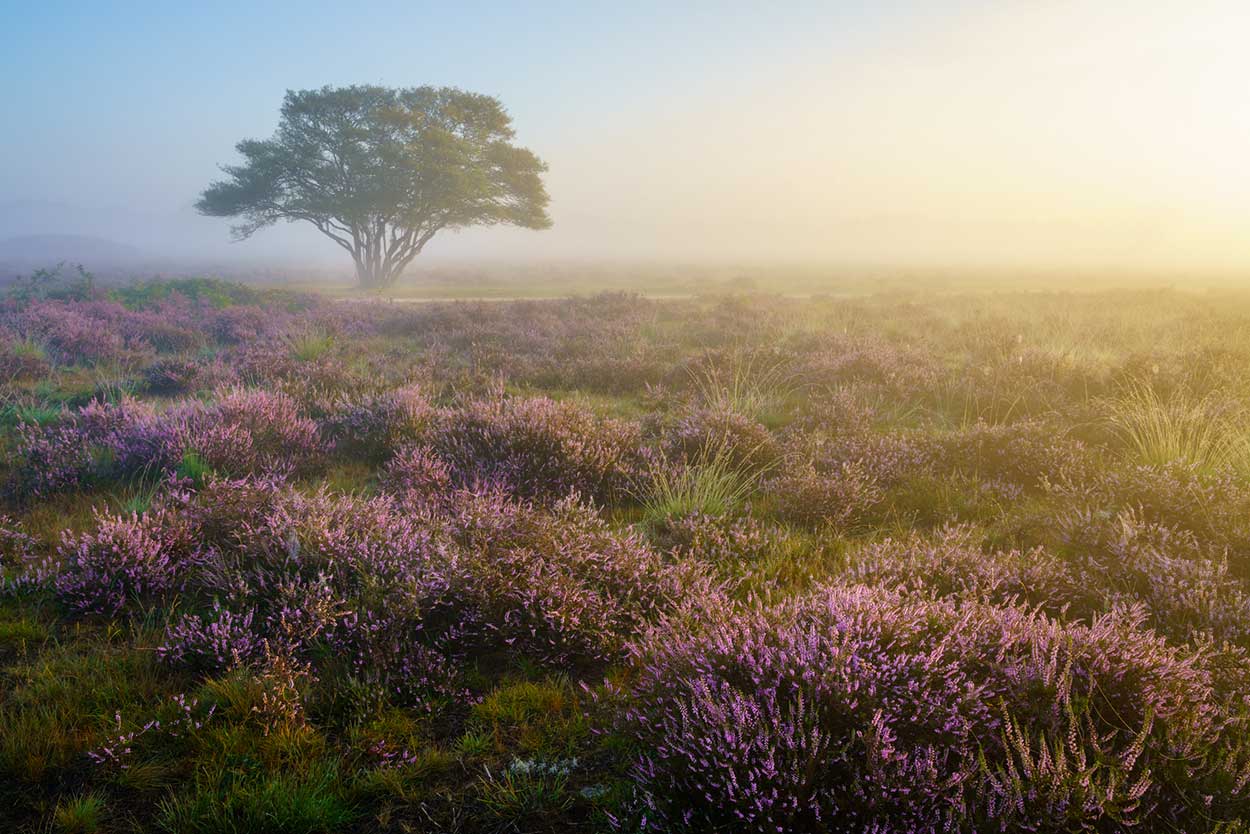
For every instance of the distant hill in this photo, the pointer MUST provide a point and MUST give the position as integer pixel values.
(47, 250)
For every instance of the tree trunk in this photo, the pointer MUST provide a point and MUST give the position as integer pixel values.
(373, 277)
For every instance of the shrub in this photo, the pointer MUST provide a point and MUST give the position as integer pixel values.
(726, 541)
(23, 360)
(278, 435)
(857, 709)
(540, 448)
(1026, 454)
(123, 559)
(843, 499)
(701, 433)
(401, 595)
(375, 426)
(416, 472)
(953, 564)
(565, 585)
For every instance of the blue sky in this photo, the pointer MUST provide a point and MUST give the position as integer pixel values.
(157, 90)
(942, 130)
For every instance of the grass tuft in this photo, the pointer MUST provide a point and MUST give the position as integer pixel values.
(1179, 428)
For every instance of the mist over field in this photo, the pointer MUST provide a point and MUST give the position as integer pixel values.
(924, 135)
(653, 418)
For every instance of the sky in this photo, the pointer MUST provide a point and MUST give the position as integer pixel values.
(1038, 133)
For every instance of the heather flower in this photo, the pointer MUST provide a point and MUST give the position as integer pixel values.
(842, 498)
(858, 709)
(725, 541)
(124, 558)
(376, 426)
(706, 431)
(417, 473)
(541, 448)
(215, 642)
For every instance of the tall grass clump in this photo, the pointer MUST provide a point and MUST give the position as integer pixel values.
(1179, 428)
(717, 483)
(746, 385)
(308, 344)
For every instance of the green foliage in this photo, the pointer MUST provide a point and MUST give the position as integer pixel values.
(531, 718)
(1179, 428)
(192, 468)
(308, 344)
(307, 802)
(750, 385)
(411, 161)
(60, 703)
(80, 815)
(53, 284)
(218, 293)
(718, 483)
(38, 414)
(520, 795)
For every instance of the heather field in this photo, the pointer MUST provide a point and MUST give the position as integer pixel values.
(898, 562)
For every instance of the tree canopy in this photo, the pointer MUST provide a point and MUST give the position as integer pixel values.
(380, 171)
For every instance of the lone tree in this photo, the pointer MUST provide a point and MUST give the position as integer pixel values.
(381, 171)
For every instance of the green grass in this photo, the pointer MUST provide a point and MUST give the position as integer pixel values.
(1178, 428)
(543, 718)
(518, 797)
(80, 815)
(717, 484)
(309, 345)
(307, 802)
(752, 386)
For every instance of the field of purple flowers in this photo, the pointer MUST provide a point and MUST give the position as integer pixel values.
(893, 563)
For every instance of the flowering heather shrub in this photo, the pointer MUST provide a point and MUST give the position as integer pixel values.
(171, 376)
(240, 324)
(16, 546)
(245, 432)
(417, 473)
(835, 411)
(123, 559)
(1026, 453)
(21, 567)
(903, 371)
(91, 443)
(176, 375)
(843, 498)
(1187, 592)
(278, 436)
(612, 374)
(168, 329)
(703, 432)
(724, 541)
(218, 640)
(75, 333)
(888, 458)
(1216, 509)
(563, 583)
(953, 564)
(374, 426)
(400, 594)
(1187, 587)
(22, 360)
(856, 709)
(47, 459)
(540, 448)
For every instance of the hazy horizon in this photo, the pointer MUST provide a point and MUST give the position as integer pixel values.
(926, 134)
